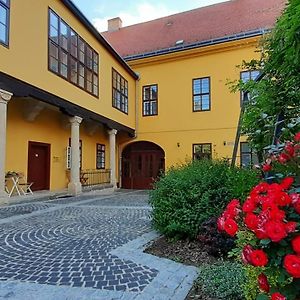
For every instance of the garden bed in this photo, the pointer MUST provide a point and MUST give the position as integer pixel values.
(186, 252)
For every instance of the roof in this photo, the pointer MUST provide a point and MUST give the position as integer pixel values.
(81, 17)
(195, 26)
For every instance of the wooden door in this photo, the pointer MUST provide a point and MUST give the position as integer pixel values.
(39, 165)
(141, 165)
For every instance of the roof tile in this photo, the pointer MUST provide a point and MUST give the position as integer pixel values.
(201, 24)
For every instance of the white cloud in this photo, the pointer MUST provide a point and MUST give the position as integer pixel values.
(144, 12)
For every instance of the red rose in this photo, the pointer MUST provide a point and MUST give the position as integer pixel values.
(290, 227)
(251, 221)
(263, 283)
(246, 254)
(259, 189)
(230, 227)
(292, 265)
(258, 258)
(287, 182)
(275, 231)
(283, 158)
(296, 202)
(266, 167)
(282, 199)
(232, 209)
(249, 206)
(261, 233)
(297, 137)
(296, 244)
(277, 214)
(277, 296)
(220, 223)
(289, 149)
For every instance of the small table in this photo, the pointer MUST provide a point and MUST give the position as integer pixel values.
(15, 185)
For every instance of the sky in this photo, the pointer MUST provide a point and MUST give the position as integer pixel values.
(133, 11)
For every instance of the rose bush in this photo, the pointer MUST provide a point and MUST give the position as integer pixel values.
(267, 226)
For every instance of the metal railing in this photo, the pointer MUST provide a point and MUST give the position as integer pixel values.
(93, 177)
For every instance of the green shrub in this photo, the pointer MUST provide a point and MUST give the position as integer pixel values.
(222, 280)
(187, 195)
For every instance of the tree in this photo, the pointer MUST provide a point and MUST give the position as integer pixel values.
(275, 99)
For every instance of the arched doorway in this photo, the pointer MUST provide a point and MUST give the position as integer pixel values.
(142, 162)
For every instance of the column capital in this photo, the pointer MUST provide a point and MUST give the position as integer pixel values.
(112, 132)
(75, 119)
(5, 96)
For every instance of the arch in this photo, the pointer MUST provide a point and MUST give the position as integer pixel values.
(142, 162)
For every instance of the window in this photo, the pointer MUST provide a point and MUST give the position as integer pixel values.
(119, 92)
(201, 151)
(100, 156)
(201, 94)
(4, 21)
(71, 57)
(248, 156)
(150, 100)
(245, 77)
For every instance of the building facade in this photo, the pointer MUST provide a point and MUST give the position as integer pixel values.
(74, 108)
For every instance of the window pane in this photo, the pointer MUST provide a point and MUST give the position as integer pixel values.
(74, 43)
(153, 109)
(3, 36)
(53, 20)
(197, 103)
(53, 64)
(74, 72)
(146, 93)
(205, 86)
(197, 89)
(89, 57)
(89, 80)
(95, 63)
(154, 92)
(254, 74)
(53, 50)
(245, 76)
(64, 35)
(246, 160)
(205, 102)
(81, 47)
(81, 76)
(54, 34)
(245, 147)
(5, 2)
(3, 15)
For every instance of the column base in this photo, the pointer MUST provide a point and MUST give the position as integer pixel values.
(75, 189)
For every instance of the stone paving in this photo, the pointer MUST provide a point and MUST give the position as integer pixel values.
(85, 249)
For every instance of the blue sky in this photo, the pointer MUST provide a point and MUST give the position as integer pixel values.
(133, 11)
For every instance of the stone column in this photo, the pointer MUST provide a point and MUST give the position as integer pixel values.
(74, 186)
(112, 156)
(4, 98)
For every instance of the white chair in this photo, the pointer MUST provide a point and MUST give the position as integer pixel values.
(24, 185)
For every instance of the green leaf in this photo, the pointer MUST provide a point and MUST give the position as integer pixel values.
(265, 242)
(262, 297)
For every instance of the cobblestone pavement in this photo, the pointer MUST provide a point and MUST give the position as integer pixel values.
(85, 249)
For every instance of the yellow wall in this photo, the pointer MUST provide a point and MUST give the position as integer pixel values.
(176, 122)
(49, 127)
(27, 59)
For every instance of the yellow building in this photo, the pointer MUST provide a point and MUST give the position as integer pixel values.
(75, 110)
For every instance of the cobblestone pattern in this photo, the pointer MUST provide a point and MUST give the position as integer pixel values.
(132, 200)
(71, 247)
(10, 211)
